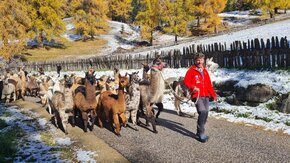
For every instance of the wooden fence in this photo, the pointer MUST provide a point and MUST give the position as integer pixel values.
(254, 54)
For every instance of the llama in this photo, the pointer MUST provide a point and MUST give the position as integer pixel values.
(18, 85)
(211, 66)
(32, 86)
(85, 100)
(22, 76)
(63, 104)
(114, 105)
(181, 92)
(152, 93)
(132, 98)
(9, 90)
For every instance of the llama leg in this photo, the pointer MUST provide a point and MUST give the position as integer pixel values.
(127, 113)
(93, 115)
(64, 121)
(14, 96)
(23, 93)
(176, 105)
(85, 119)
(117, 124)
(179, 108)
(134, 118)
(99, 115)
(160, 108)
(123, 118)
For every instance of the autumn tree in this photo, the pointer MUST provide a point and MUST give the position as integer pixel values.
(200, 10)
(46, 16)
(13, 26)
(149, 17)
(121, 9)
(267, 6)
(177, 15)
(214, 7)
(90, 17)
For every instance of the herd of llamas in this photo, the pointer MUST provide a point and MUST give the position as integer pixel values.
(110, 100)
(90, 99)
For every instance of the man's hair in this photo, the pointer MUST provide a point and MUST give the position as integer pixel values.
(199, 55)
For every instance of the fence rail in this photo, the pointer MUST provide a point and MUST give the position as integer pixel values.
(256, 53)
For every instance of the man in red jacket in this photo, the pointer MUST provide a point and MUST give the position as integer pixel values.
(197, 80)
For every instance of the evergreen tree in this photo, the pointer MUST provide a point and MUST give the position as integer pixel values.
(13, 26)
(90, 17)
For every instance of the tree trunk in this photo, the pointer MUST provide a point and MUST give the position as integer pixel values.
(272, 15)
(198, 21)
(151, 38)
(276, 10)
(40, 39)
(215, 29)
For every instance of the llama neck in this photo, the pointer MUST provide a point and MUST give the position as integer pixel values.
(121, 96)
(90, 91)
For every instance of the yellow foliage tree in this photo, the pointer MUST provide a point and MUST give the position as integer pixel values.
(46, 16)
(121, 8)
(148, 18)
(13, 26)
(90, 17)
(214, 7)
(177, 14)
(266, 5)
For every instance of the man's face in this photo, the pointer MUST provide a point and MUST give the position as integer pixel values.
(199, 62)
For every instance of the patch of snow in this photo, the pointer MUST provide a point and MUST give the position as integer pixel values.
(42, 122)
(63, 141)
(85, 156)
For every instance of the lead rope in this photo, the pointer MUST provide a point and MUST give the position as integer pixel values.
(180, 98)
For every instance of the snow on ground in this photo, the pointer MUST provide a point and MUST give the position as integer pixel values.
(31, 146)
(267, 31)
(279, 80)
(131, 33)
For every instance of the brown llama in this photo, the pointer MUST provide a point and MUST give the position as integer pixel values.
(85, 100)
(114, 105)
(152, 93)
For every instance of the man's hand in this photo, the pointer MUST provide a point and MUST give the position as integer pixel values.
(194, 89)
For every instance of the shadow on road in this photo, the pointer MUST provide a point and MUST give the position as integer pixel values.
(175, 126)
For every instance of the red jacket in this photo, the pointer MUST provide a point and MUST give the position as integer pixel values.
(194, 78)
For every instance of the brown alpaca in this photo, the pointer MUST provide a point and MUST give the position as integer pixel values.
(85, 101)
(114, 105)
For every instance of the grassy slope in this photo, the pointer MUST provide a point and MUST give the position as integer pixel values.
(73, 49)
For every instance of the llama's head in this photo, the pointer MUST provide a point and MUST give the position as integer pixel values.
(134, 77)
(68, 81)
(123, 81)
(146, 67)
(211, 65)
(91, 77)
(159, 65)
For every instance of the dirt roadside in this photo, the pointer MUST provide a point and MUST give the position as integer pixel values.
(87, 141)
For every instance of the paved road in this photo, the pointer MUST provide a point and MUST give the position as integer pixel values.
(174, 142)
